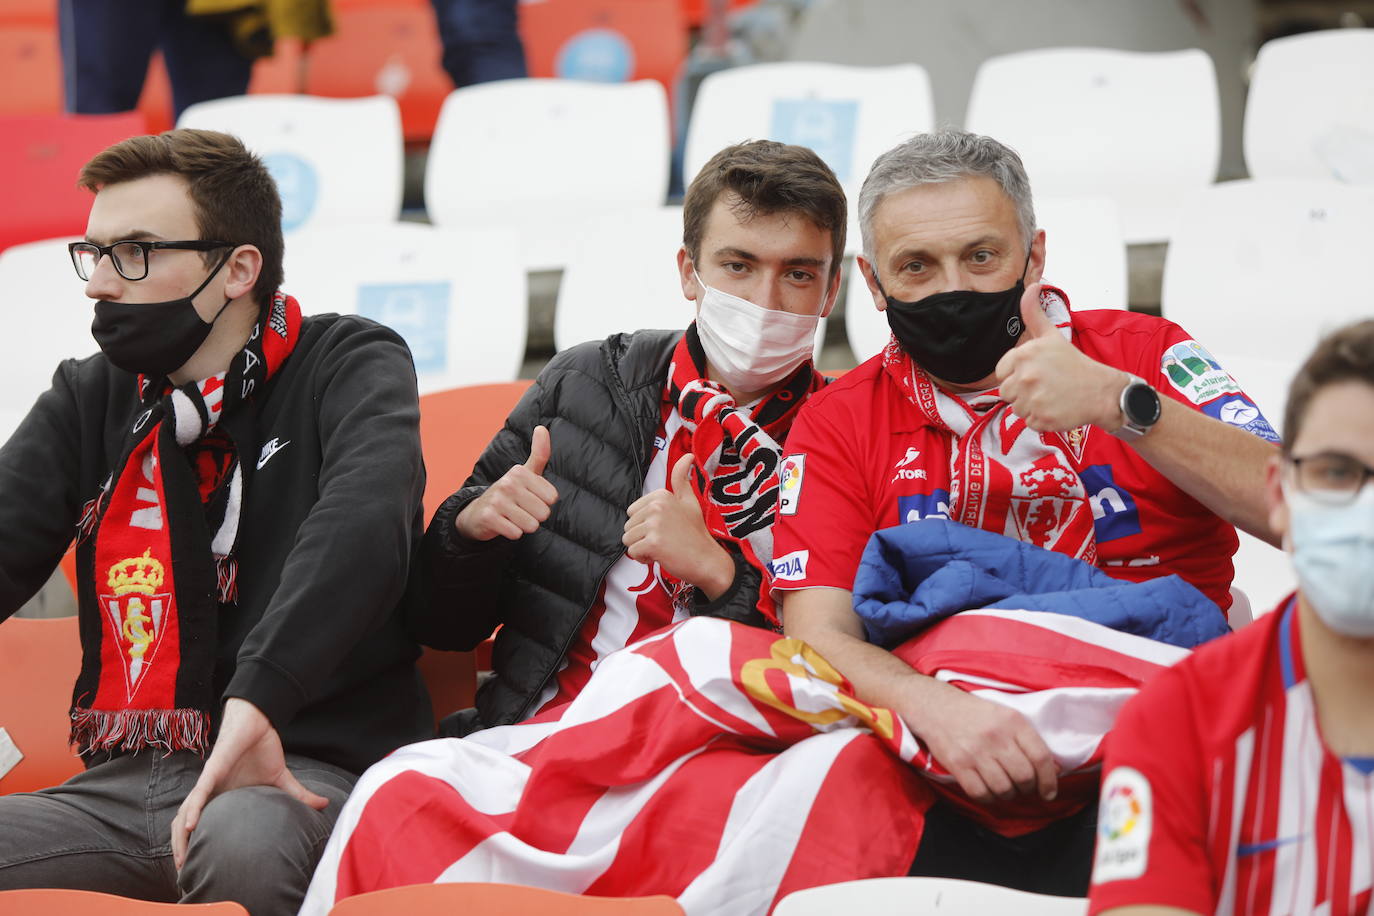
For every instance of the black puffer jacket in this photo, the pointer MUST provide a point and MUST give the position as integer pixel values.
(601, 403)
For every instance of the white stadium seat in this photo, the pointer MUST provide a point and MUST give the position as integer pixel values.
(903, 896)
(622, 276)
(458, 297)
(1262, 269)
(335, 160)
(48, 319)
(1143, 128)
(1310, 110)
(848, 115)
(541, 156)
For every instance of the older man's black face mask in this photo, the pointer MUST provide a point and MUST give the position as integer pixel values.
(958, 336)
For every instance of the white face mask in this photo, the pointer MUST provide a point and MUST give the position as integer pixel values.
(750, 347)
(1333, 555)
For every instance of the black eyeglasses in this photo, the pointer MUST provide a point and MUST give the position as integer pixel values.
(130, 257)
(1333, 478)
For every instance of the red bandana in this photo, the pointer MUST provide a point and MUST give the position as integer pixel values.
(155, 550)
(1004, 476)
(736, 452)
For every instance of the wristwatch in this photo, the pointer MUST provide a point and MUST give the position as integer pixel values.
(1139, 409)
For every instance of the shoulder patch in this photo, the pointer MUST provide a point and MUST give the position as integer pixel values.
(790, 483)
(1196, 373)
(1124, 824)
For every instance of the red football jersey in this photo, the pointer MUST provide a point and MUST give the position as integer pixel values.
(861, 457)
(1220, 797)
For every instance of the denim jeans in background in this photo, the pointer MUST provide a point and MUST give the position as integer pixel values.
(480, 40)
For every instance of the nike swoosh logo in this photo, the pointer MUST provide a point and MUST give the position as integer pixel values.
(1251, 849)
(270, 449)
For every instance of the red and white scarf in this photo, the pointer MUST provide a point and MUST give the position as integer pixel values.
(736, 453)
(155, 552)
(1004, 476)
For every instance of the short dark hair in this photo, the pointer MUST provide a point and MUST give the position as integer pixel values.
(234, 196)
(767, 177)
(1345, 355)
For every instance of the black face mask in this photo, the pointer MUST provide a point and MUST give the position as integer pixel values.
(153, 338)
(958, 336)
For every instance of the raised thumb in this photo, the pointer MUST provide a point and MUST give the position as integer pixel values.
(1037, 323)
(682, 478)
(540, 447)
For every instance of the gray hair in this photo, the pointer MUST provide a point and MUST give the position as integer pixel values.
(940, 156)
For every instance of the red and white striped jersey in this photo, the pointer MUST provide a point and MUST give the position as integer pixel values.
(1220, 796)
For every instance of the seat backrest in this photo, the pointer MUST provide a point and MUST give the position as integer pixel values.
(1143, 128)
(498, 900)
(384, 48)
(544, 149)
(46, 901)
(39, 162)
(622, 276)
(894, 896)
(848, 115)
(39, 661)
(609, 41)
(335, 160)
(1310, 109)
(1263, 268)
(457, 296)
(48, 319)
(456, 424)
(32, 65)
(1085, 253)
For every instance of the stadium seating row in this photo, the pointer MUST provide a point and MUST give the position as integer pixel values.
(539, 156)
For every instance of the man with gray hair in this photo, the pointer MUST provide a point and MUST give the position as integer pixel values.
(1108, 436)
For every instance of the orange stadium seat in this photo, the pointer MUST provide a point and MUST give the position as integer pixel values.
(696, 11)
(39, 162)
(32, 64)
(39, 661)
(498, 900)
(34, 12)
(392, 50)
(605, 40)
(455, 425)
(46, 901)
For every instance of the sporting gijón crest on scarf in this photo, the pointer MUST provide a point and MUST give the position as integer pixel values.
(155, 552)
(736, 452)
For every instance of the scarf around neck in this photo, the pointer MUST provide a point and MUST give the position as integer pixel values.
(155, 552)
(1004, 476)
(736, 453)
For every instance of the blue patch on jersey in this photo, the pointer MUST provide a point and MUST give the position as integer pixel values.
(1114, 510)
(923, 505)
(1238, 410)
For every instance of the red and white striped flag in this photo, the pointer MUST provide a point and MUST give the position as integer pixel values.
(720, 764)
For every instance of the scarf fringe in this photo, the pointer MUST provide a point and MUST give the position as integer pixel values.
(132, 729)
(227, 576)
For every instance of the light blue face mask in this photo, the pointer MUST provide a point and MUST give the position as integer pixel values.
(1333, 554)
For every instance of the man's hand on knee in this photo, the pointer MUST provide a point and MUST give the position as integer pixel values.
(248, 752)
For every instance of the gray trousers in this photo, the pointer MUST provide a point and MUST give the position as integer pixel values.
(108, 829)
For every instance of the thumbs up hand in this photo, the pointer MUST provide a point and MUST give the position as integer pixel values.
(667, 527)
(516, 504)
(1050, 383)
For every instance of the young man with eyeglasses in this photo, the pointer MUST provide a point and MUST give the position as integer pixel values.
(1242, 779)
(243, 485)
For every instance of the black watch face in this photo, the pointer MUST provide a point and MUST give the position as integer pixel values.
(1142, 405)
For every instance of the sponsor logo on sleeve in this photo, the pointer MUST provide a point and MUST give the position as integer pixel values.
(1238, 410)
(790, 567)
(1115, 514)
(934, 504)
(1124, 823)
(790, 483)
(1196, 373)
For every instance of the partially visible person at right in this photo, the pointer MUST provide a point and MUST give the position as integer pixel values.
(1242, 779)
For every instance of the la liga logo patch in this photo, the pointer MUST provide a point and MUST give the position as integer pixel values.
(1124, 823)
